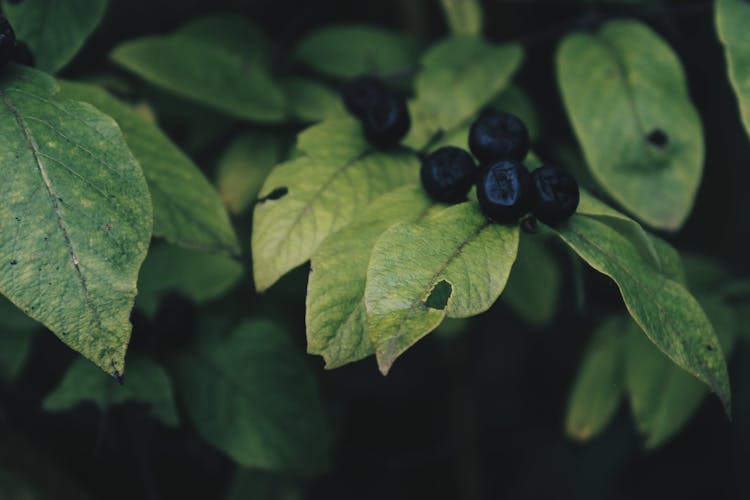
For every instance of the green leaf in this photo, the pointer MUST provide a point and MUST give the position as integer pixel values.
(187, 210)
(663, 308)
(146, 383)
(516, 101)
(336, 317)
(732, 19)
(15, 346)
(254, 484)
(306, 199)
(55, 30)
(533, 289)
(469, 70)
(244, 166)
(597, 390)
(11, 318)
(251, 395)
(310, 101)
(78, 217)
(454, 263)
(704, 273)
(230, 32)
(347, 51)
(619, 87)
(204, 71)
(663, 397)
(464, 16)
(199, 276)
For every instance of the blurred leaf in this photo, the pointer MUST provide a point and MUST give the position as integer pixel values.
(598, 389)
(533, 289)
(663, 308)
(514, 100)
(187, 209)
(306, 199)
(670, 262)
(244, 166)
(469, 70)
(454, 263)
(251, 484)
(78, 217)
(55, 30)
(704, 272)
(15, 346)
(199, 276)
(310, 101)
(13, 318)
(627, 98)
(233, 33)
(251, 395)
(464, 17)
(732, 20)
(347, 51)
(206, 71)
(146, 383)
(336, 317)
(663, 397)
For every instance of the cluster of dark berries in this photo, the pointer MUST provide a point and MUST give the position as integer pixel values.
(384, 115)
(505, 189)
(11, 49)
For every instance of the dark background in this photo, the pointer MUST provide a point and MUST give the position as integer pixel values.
(472, 416)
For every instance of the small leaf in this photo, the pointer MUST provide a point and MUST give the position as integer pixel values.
(457, 246)
(627, 98)
(146, 383)
(598, 389)
(663, 308)
(320, 193)
(533, 289)
(251, 395)
(244, 166)
(187, 209)
(663, 397)
(55, 30)
(336, 317)
(206, 72)
(464, 16)
(310, 101)
(347, 51)
(77, 217)
(732, 19)
(199, 276)
(468, 69)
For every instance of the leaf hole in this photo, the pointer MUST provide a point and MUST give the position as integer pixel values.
(709, 347)
(658, 138)
(439, 295)
(13, 262)
(276, 194)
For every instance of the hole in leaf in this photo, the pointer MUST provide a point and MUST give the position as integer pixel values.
(276, 194)
(439, 295)
(658, 138)
(710, 347)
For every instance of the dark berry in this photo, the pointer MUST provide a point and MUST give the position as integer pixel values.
(556, 194)
(7, 41)
(384, 115)
(22, 55)
(505, 191)
(498, 136)
(447, 174)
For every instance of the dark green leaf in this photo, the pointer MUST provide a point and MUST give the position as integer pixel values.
(55, 30)
(187, 209)
(251, 484)
(732, 20)
(251, 395)
(79, 217)
(458, 251)
(146, 383)
(627, 98)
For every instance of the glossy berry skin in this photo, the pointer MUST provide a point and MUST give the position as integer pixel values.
(22, 55)
(556, 194)
(447, 174)
(505, 191)
(498, 136)
(7, 41)
(384, 115)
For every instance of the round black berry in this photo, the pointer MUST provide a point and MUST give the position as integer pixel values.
(447, 174)
(384, 115)
(22, 54)
(505, 191)
(7, 41)
(556, 194)
(498, 136)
